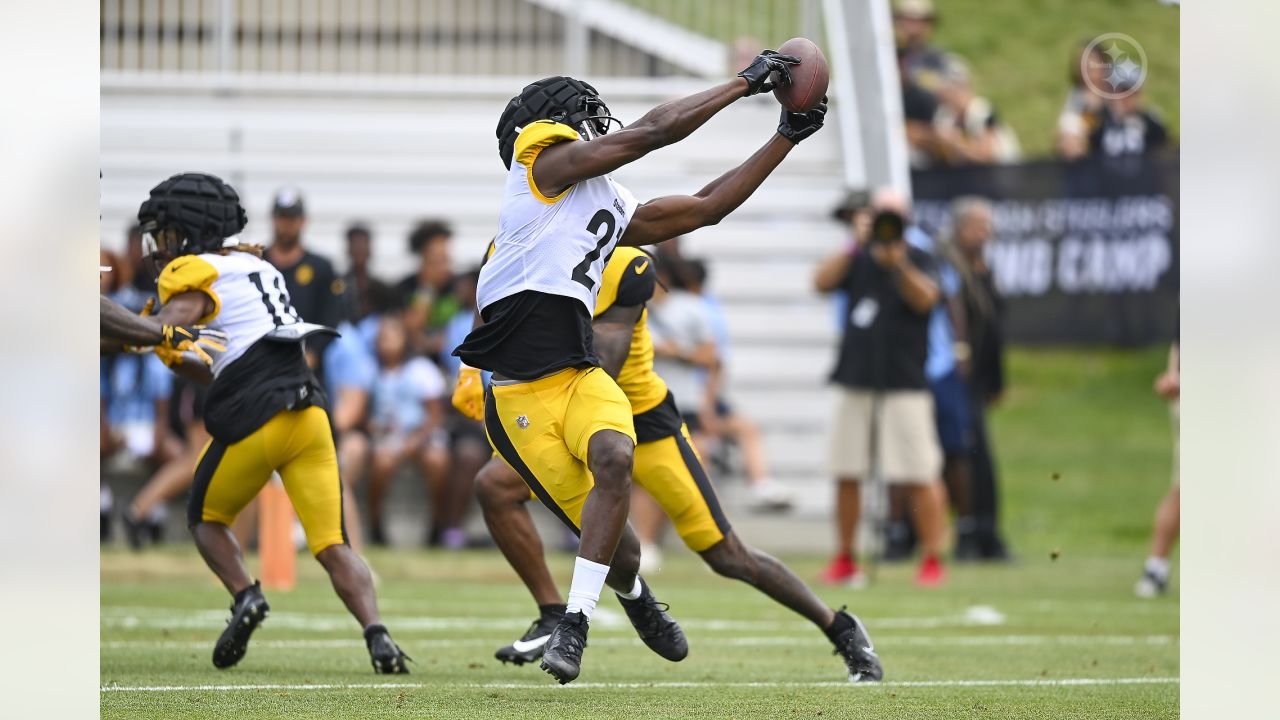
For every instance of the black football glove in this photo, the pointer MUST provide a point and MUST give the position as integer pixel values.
(766, 63)
(798, 126)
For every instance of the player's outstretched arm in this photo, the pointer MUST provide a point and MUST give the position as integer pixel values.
(119, 324)
(564, 164)
(667, 217)
(612, 333)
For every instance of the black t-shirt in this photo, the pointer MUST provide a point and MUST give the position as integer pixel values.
(1135, 134)
(885, 342)
(269, 377)
(529, 335)
(316, 293)
(314, 290)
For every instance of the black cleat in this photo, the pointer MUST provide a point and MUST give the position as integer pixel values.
(248, 610)
(654, 626)
(532, 644)
(384, 653)
(563, 657)
(854, 645)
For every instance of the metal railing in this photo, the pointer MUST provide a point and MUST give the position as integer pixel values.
(624, 38)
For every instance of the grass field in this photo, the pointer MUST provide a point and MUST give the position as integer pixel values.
(1057, 634)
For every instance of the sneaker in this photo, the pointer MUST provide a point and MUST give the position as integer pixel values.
(531, 645)
(839, 570)
(654, 626)
(135, 531)
(844, 571)
(769, 496)
(931, 573)
(968, 547)
(384, 653)
(859, 654)
(563, 657)
(1150, 585)
(248, 610)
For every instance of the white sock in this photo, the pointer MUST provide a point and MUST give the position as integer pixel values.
(584, 590)
(1158, 566)
(635, 591)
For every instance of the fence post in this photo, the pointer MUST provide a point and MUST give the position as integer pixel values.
(226, 34)
(575, 39)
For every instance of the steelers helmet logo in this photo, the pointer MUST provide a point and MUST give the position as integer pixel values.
(304, 274)
(523, 422)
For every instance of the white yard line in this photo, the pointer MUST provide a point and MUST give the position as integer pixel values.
(882, 640)
(130, 618)
(1066, 682)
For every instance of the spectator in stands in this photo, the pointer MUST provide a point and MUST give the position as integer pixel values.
(359, 285)
(892, 288)
(134, 393)
(1081, 114)
(1155, 573)
(315, 291)
(725, 423)
(407, 424)
(146, 514)
(1128, 127)
(978, 529)
(920, 62)
(965, 127)
(143, 270)
(468, 443)
(350, 372)
(429, 299)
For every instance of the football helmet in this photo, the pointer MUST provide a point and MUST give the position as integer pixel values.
(188, 214)
(562, 99)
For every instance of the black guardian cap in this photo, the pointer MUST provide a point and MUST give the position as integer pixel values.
(201, 209)
(561, 99)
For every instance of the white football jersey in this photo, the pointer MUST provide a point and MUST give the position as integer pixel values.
(556, 245)
(249, 298)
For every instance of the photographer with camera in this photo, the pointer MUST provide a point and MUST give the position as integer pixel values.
(885, 410)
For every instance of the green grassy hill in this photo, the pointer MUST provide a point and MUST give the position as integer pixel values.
(1019, 50)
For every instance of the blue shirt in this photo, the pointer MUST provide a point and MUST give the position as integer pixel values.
(942, 354)
(399, 394)
(348, 361)
(132, 384)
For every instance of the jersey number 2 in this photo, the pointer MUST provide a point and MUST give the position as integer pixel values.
(602, 218)
(278, 304)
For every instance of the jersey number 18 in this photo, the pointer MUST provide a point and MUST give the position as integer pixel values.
(282, 313)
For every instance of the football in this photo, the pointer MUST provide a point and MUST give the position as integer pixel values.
(808, 79)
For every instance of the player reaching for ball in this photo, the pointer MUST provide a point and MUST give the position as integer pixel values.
(666, 466)
(553, 414)
(264, 410)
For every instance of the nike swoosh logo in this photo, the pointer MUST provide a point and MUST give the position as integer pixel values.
(641, 267)
(527, 645)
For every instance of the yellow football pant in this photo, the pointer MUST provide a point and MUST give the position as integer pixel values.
(542, 429)
(298, 444)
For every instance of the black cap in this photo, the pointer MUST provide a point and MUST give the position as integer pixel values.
(853, 201)
(288, 203)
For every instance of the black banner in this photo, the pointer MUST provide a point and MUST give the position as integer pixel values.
(1085, 253)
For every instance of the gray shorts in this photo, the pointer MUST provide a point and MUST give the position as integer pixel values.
(907, 444)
